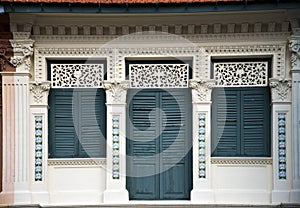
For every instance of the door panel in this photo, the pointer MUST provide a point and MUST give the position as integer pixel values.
(158, 144)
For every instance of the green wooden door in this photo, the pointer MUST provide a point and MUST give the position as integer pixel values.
(159, 144)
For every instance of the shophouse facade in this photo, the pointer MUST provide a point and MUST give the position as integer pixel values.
(110, 105)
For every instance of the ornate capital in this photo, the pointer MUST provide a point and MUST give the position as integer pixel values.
(295, 49)
(39, 92)
(6, 52)
(201, 90)
(281, 89)
(116, 91)
(23, 50)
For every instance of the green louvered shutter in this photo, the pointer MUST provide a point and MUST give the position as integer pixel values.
(142, 144)
(255, 134)
(77, 119)
(63, 141)
(92, 122)
(159, 139)
(225, 122)
(175, 181)
(241, 122)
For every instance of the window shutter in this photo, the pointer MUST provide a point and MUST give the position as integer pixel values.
(175, 143)
(225, 121)
(77, 123)
(61, 126)
(255, 120)
(92, 119)
(142, 141)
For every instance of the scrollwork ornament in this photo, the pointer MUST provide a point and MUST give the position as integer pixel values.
(23, 50)
(27, 50)
(293, 59)
(201, 90)
(39, 91)
(295, 46)
(281, 89)
(117, 89)
(295, 49)
(16, 60)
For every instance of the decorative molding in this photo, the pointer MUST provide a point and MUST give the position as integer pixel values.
(196, 38)
(281, 119)
(21, 35)
(38, 137)
(216, 28)
(77, 162)
(6, 51)
(116, 91)
(281, 89)
(116, 146)
(23, 50)
(159, 75)
(294, 47)
(201, 90)
(39, 92)
(41, 54)
(241, 161)
(238, 74)
(77, 75)
(277, 51)
(197, 54)
(202, 145)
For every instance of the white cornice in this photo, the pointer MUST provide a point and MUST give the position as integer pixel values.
(196, 38)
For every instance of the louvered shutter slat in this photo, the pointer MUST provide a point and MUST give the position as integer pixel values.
(255, 122)
(92, 118)
(225, 122)
(62, 132)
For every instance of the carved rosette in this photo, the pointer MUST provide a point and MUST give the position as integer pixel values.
(281, 89)
(39, 93)
(201, 90)
(295, 49)
(116, 91)
(23, 50)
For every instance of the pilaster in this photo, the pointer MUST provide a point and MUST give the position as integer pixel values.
(281, 137)
(201, 97)
(115, 191)
(38, 141)
(8, 100)
(22, 47)
(295, 62)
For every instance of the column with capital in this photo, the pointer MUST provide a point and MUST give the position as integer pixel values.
(115, 191)
(22, 59)
(281, 142)
(295, 62)
(39, 91)
(201, 98)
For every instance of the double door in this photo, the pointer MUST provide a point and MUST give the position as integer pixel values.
(159, 144)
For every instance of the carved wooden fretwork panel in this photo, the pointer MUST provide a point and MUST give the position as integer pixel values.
(232, 74)
(42, 54)
(77, 75)
(159, 75)
(277, 52)
(197, 54)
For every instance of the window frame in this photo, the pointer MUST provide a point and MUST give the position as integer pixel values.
(51, 127)
(240, 150)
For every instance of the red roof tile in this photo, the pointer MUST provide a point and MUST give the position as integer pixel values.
(119, 1)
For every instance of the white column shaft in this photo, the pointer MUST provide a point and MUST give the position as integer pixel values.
(8, 99)
(22, 192)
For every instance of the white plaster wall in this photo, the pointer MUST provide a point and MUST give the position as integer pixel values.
(242, 184)
(71, 185)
